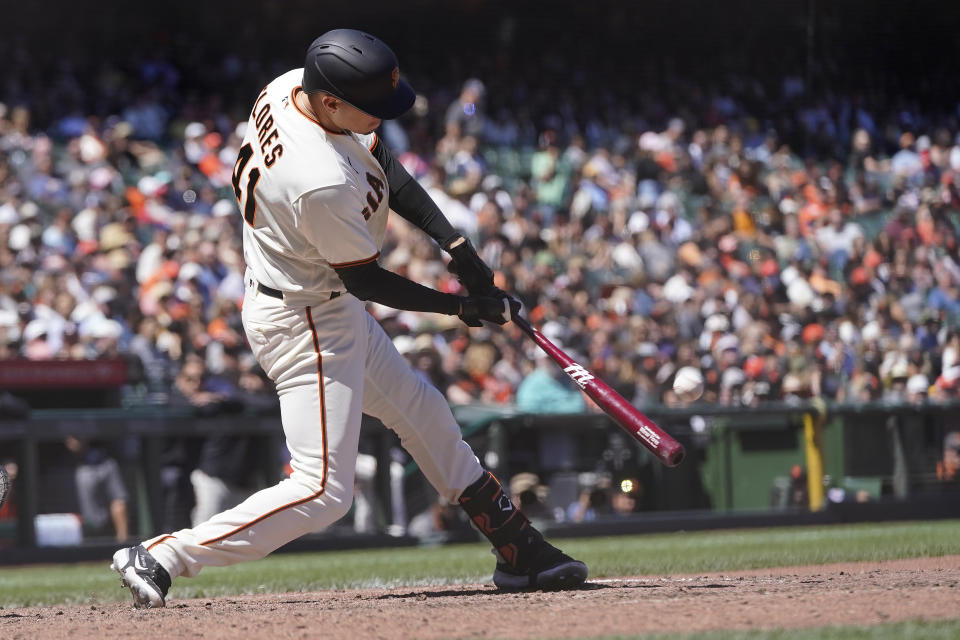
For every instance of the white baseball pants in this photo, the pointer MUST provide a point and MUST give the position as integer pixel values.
(330, 361)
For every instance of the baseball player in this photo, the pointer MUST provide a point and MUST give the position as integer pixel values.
(315, 184)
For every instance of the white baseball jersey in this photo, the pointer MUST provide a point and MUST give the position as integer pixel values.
(312, 198)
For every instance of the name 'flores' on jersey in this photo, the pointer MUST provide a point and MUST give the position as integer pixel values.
(286, 153)
(267, 138)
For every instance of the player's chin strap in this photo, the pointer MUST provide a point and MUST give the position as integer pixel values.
(505, 526)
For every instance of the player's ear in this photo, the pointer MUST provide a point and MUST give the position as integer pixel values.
(329, 102)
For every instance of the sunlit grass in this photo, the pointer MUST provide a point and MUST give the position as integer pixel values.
(661, 554)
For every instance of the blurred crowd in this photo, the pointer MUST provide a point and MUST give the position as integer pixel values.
(789, 244)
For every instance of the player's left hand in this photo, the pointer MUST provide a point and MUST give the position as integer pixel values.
(498, 308)
(470, 269)
(514, 306)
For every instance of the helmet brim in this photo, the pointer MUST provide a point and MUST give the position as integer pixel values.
(395, 106)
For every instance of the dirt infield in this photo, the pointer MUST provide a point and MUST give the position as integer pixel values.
(791, 597)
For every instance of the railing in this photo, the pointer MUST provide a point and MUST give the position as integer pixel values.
(738, 458)
(735, 454)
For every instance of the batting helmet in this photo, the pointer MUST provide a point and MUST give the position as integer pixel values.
(359, 69)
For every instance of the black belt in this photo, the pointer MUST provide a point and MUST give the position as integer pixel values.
(276, 293)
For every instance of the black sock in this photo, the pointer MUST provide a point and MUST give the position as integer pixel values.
(505, 526)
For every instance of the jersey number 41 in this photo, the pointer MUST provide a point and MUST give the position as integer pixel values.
(248, 204)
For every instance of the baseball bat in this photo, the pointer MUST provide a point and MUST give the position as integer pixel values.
(669, 451)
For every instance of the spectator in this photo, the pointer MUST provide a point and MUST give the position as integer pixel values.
(119, 233)
(224, 470)
(529, 495)
(543, 390)
(225, 475)
(441, 521)
(593, 502)
(229, 464)
(467, 111)
(837, 239)
(948, 467)
(624, 501)
(464, 169)
(550, 174)
(917, 388)
(100, 490)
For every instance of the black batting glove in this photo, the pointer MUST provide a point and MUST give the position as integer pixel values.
(496, 309)
(515, 305)
(472, 272)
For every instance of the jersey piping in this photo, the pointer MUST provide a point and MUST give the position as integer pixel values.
(161, 540)
(355, 263)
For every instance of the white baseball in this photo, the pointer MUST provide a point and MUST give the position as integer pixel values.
(688, 384)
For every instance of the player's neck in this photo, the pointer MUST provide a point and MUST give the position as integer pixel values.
(319, 115)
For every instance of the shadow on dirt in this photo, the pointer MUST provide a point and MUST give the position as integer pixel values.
(488, 591)
(710, 586)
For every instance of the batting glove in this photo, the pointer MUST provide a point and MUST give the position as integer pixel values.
(498, 310)
(470, 269)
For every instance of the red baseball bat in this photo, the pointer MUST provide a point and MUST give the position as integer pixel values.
(613, 404)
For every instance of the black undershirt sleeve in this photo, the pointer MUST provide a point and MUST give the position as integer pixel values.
(409, 199)
(372, 282)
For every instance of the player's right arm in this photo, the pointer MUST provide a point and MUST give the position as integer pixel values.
(332, 220)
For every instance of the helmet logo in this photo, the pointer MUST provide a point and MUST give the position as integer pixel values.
(395, 76)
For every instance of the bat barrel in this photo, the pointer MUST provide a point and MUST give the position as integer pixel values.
(640, 427)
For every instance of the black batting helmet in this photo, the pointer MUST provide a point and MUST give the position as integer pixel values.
(360, 70)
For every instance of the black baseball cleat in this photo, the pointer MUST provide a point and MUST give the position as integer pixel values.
(140, 572)
(525, 561)
(549, 570)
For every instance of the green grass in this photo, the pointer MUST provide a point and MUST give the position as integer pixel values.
(709, 551)
(911, 630)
